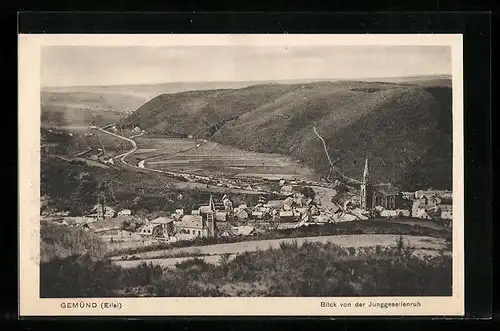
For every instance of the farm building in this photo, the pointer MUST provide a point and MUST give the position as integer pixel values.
(151, 230)
(242, 214)
(105, 226)
(243, 230)
(167, 224)
(124, 212)
(97, 212)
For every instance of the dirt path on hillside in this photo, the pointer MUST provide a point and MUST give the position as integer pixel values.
(212, 253)
(359, 240)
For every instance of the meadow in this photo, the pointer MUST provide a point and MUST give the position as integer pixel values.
(212, 158)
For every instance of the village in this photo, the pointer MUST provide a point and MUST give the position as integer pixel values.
(300, 205)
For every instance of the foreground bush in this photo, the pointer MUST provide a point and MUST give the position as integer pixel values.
(58, 241)
(312, 269)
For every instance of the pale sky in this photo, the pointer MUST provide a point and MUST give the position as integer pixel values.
(120, 65)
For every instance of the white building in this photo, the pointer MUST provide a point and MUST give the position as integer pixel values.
(125, 212)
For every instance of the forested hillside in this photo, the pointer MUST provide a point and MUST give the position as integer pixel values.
(403, 128)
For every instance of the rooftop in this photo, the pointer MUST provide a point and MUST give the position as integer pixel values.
(162, 220)
(191, 221)
(387, 190)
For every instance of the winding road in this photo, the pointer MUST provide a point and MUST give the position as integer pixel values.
(130, 140)
(141, 165)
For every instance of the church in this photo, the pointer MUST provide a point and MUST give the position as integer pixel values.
(383, 195)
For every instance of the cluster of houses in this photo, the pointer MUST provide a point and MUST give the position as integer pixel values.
(386, 200)
(224, 218)
(432, 204)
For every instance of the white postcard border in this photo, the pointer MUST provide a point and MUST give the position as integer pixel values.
(30, 304)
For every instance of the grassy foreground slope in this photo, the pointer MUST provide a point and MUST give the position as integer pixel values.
(312, 269)
(404, 128)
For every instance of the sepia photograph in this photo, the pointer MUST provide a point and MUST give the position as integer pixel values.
(218, 168)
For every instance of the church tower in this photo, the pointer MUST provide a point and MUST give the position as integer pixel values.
(365, 188)
(211, 218)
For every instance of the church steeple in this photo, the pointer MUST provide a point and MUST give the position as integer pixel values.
(366, 173)
(211, 203)
(365, 203)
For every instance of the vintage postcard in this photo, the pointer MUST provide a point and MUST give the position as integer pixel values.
(203, 175)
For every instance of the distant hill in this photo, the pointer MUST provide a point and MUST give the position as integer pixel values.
(403, 127)
(150, 91)
(70, 108)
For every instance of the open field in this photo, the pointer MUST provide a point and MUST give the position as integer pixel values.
(156, 148)
(216, 159)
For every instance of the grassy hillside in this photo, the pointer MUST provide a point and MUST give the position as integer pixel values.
(60, 242)
(404, 127)
(310, 270)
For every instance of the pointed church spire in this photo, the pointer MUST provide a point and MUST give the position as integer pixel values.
(211, 202)
(365, 172)
(365, 203)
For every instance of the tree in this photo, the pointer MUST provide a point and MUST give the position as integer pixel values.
(307, 191)
(84, 193)
(105, 194)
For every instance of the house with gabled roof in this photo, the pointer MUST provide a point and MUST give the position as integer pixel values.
(191, 226)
